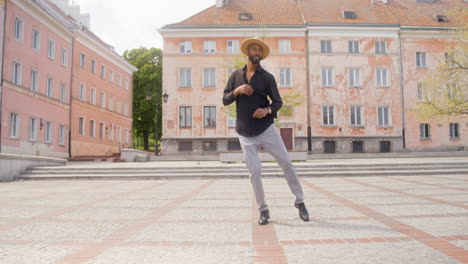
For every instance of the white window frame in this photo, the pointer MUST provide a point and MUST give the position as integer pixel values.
(51, 48)
(33, 129)
(92, 96)
(48, 132)
(185, 83)
(382, 120)
(209, 46)
(284, 46)
(119, 134)
(111, 103)
(18, 29)
(62, 135)
(353, 46)
(119, 79)
(34, 81)
(355, 77)
(285, 80)
(102, 100)
(50, 87)
(126, 136)
(381, 75)
(82, 92)
(14, 125)
(17, 73)
(206, 122)
(103, 71)
(185, 117)
(125, 109)
(380, 47)
(325, 46)
(81, 126)
(326, 114)
(93, 66)
(111, 132)
(424, 131)
(232, 46)
(209, 77)
(328, 78)
(64, 57)
(185, 46)
(127, 82)
(454, 130)
(102, 130)
(92, 128)
(421, 59)
(83, 60)
(111, 75)
(63, 93)
(36, 39)
(358, 116)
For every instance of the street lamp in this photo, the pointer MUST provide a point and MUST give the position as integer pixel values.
(156, 146)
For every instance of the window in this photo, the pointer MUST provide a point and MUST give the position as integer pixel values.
(233, 46)
(111, 75)
(126, 136)
(36, 39)
(356, 113)
(328, 115)
(83, 60)
(421, 58)
(93, 66)
(51, 49)
(358, 146)
(63, 93)
(119, 80)
(19, 28)
(185, 116)
(119, 134)
(14, 125)
(327, 77)
(353, 46)
(354, 78)
(125, 109)
(92, 128)
(103, 100)
(82, 94)
(348, 14)
(231, 121)
(101, 130)
(92, 96)
(441, 18)
(34, 81)
(325, 46)
(185, 146)
(451, 90)
(285, 77)
(424, 131)
(119, 107)
(111, 103)
(209, 145)
(81, 126)
(380, 46)
(185, 46)
(234, 145)
(329, 146)
(209, 77)
(209, 46)
(209, 116)
(62, 135)
(50, 87)
(17, 73)
(185, 77)
(32, 129)
(126, 84)
(48, 133)
(64, 57)
(284, 45)
(454, 130)
(103, 71)
(420, 92)
(111, 132)
(382, 78)
(383, 116)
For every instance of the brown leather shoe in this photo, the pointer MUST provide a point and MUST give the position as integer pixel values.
(264, 216)
(303, 214)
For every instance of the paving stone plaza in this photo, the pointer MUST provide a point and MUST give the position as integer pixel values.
(367, 220)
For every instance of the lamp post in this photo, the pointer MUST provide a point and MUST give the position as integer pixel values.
(156, 145)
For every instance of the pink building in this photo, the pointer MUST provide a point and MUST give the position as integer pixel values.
(41, 105)
(351, 60)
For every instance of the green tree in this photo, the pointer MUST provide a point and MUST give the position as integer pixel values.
(444, 90)
(147, 90)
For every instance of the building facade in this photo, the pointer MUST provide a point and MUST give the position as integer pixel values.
(352, 63)
(41, 106)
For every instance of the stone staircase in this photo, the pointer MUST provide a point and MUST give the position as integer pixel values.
(155, 170)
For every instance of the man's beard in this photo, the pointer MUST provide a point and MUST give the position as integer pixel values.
(255, 59)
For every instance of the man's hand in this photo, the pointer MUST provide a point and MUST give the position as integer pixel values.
(244, 89)
(260, 113)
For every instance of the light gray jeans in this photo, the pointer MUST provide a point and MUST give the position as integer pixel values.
(272, 142)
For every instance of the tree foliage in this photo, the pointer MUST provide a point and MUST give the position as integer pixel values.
(444, 92)
(147, 90)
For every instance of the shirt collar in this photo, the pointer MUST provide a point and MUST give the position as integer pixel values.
(259, 68)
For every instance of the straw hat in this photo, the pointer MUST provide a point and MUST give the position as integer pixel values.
(255, 40)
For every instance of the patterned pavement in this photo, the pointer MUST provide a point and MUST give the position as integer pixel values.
(363, 220)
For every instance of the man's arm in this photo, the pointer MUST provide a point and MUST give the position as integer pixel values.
(273, 93)
(229, 97)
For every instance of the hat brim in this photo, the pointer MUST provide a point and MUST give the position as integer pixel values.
(248, 42)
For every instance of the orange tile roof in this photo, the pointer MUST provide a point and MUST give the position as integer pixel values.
(299, 12)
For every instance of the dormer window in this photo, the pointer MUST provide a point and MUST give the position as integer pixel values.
(441, 18)
(245, 16)
(348, 14)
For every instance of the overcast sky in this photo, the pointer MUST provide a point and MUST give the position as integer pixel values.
(128, 24)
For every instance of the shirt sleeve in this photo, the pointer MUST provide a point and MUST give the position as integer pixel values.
(228, 96)
(273, 93)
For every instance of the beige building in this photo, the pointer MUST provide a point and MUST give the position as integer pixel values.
(352, 61)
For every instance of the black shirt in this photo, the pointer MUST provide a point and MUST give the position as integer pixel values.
(264, 85)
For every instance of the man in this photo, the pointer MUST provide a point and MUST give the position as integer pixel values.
(249, 87)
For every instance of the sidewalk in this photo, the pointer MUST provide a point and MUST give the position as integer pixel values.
(368, 220)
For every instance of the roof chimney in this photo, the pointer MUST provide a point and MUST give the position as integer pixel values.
(221, 3)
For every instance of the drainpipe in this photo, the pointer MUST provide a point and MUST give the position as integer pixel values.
(1, 73)
(309, 128)
(70, 99)
(401, 91)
